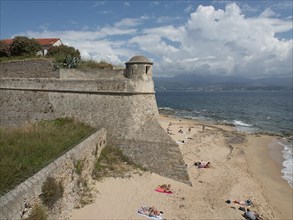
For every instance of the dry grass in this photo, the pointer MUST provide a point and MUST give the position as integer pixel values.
(25, 150)
(88, 65)
(112, 162)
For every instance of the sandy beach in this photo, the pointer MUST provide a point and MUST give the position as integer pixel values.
(242, 168)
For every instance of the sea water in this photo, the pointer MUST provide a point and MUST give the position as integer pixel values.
(249, 111)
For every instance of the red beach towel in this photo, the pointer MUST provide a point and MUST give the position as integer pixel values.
(161, 190)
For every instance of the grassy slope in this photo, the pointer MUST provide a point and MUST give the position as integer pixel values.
(25, 150)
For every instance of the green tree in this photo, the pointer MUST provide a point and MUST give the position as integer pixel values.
(62, 52)
(24, 46)
(4, 49)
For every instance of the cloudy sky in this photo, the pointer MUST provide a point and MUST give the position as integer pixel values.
(246, 38)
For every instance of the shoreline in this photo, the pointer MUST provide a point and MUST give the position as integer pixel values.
(274, 148)
(241, 169)
(265, 159)
(168, 112)
(276, 187)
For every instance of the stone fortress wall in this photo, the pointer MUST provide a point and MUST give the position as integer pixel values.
(123, 103)
(33, 68)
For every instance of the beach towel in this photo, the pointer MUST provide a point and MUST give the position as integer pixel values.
(161, 190)
(143, 212)
(152, 217)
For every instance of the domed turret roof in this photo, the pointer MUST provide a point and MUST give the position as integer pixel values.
(139, 59)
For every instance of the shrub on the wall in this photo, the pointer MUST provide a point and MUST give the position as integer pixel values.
(24, 46)
(78, 166)
(4, 49)
(66, 56)
(52, 191)
(38, 213)
(61, 52)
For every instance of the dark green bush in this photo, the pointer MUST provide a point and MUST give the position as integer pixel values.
(52, 191)
(4, 49)
(24, 46)
(60, 53)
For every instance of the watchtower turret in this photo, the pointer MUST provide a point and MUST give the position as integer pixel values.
(139, 68)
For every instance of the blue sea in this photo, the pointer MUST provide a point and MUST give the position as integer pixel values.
(248, 111)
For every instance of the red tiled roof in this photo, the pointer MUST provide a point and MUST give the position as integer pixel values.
(42, 41)
(47, 41)
(7, 41)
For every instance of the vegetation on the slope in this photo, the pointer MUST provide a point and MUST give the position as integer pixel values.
(25, 57)
(64, 56)
(4, 49)
(90, 64)
(38, 213)
(85, 192)
(78, 166)
(24, 46)
(62, 52)
(52, 191)
(112, 162)
(25, 150)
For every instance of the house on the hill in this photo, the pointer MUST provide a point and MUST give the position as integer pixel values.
(46, 44)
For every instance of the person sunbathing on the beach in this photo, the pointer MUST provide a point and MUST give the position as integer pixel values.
(149, 211)
(202, 164)
(244, 203)
(250, 215)
(165, 187)
(153, 212)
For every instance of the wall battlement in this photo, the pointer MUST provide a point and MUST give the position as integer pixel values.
(124, 105)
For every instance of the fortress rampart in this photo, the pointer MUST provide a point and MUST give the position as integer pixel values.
(34, 68)
(124, 103)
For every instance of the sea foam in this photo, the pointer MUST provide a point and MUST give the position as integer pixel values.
(243, 127)
(288, 162)
(240, 123)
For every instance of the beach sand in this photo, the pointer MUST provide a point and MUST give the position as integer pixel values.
(242, 168)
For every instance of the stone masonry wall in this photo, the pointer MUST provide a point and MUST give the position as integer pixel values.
(92, 74)
(62, 169)
(130, 119)
(34, 68)
(126, 108)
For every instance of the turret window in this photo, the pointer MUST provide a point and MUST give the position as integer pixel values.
(147, 69)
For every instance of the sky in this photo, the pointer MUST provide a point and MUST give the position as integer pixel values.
(251, 39)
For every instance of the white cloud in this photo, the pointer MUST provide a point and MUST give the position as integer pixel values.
(188, 9)
(127, 4)
(223, 42)
(131, 22)
(99, 3)
(211, 41)
(94, 45)
(267, 13)
(166, 19)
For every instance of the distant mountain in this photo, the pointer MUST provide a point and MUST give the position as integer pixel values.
(216, 82)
